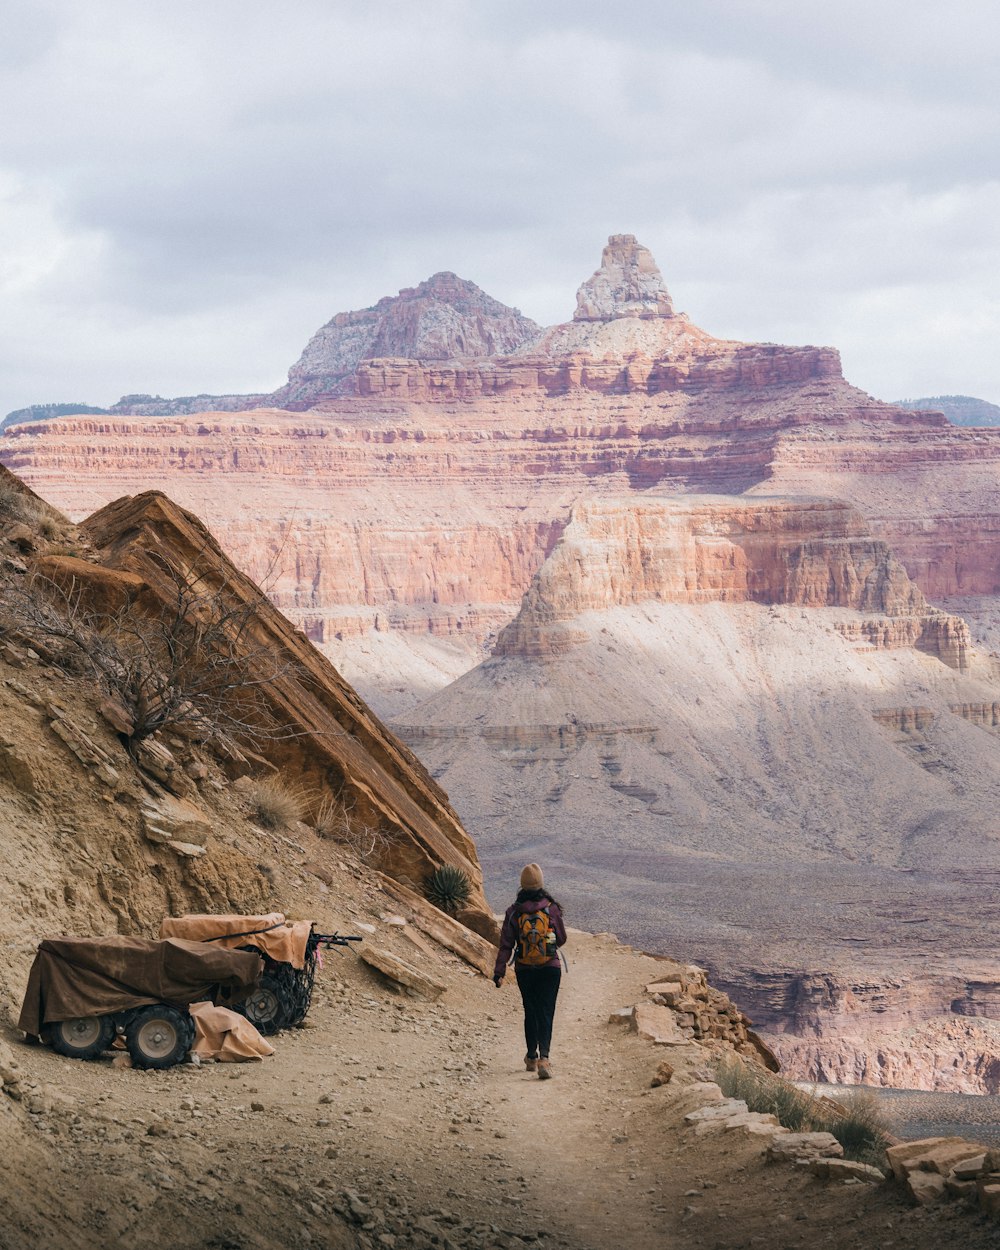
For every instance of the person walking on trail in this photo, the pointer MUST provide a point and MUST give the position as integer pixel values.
(532, 932)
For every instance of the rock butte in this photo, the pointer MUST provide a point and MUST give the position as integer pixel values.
(450, 444)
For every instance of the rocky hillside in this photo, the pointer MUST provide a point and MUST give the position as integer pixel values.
(744, 736)
(120, 820)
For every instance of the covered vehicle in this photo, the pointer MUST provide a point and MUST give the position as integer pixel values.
(291, 955)
(82, 992)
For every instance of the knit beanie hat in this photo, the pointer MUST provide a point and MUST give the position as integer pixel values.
(531, 877)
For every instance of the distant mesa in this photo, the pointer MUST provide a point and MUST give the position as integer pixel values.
(445, 318)
(959, 409)
(46, 412)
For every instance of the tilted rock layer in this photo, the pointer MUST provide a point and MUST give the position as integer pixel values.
(334, 745)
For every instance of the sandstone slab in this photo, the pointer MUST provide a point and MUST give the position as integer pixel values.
(400, 973)
(719, 1112)
(658, 1025)
(187, 850)
(444, 929)
(166, 818)
(804, 1147)
(117, 716)
(841, 1169)
(925, 1188)
(969, 1169)
(754, 1124)
(930, 1154)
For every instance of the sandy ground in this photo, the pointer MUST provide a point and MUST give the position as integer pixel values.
(394, 1122)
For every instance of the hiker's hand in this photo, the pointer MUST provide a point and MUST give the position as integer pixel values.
(498, 981)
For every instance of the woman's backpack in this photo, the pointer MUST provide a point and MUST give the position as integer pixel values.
(536, 938)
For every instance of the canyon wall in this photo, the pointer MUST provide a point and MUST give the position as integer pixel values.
(429, 519)
(936, 1029)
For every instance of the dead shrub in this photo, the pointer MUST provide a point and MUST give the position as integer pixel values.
(193, 658)
(339, 822)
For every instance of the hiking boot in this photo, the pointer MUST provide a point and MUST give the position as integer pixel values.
(544, 1070)
(530, 1064)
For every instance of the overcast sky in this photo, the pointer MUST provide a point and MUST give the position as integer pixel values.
(189, 190)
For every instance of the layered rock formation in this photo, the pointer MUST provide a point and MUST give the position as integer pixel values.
(810, 553)
(937, 1030)
(414, 506)
(628, 284)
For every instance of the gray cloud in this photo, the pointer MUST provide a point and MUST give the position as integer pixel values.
(187, 191)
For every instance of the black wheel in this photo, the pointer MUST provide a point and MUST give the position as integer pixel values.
(85, 1038)
(268, 1007)
(159, 1036)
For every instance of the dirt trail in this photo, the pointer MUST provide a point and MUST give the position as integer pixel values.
(396, 1123)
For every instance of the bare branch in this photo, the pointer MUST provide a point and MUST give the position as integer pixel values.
(191, 658)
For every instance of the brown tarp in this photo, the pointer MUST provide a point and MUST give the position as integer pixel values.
(280, 939)
(74, 977)
(225, 1035)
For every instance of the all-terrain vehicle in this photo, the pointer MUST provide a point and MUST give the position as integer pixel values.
(84, 992)
(290, 950)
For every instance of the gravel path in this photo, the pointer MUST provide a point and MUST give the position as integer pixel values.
(393, 1124)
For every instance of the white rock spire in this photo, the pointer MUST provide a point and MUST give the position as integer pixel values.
(628, 284)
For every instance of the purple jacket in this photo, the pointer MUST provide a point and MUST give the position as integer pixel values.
(508, 934)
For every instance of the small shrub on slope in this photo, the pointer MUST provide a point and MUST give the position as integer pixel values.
(340, 822)
(449, 888)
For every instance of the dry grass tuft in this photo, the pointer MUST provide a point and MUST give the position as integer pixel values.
(18, 505)
(275, 805)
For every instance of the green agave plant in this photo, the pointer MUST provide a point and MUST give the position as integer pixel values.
(448, 888)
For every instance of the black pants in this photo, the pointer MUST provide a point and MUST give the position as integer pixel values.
(539, 988)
